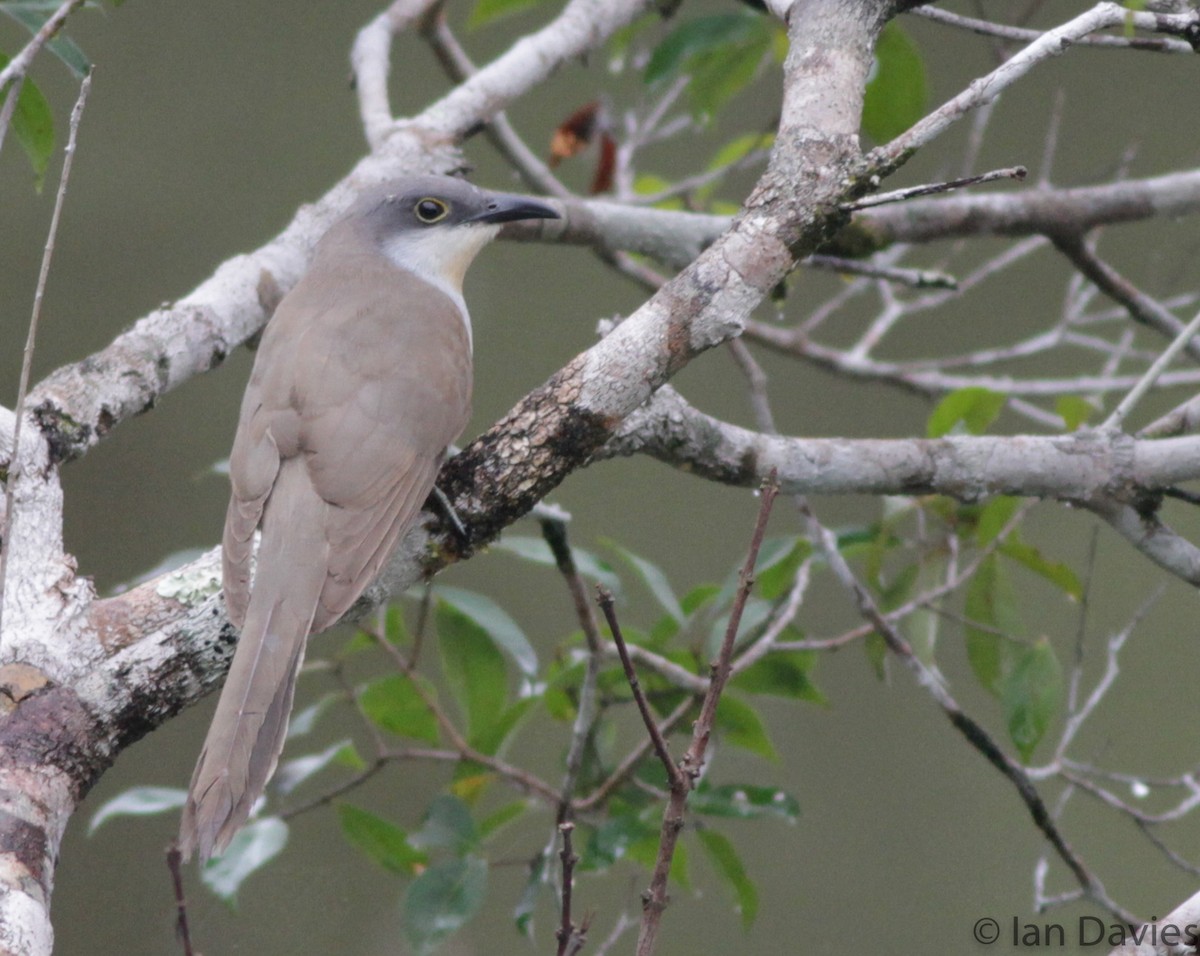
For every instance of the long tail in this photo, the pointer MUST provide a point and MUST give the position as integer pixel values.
(247, 732)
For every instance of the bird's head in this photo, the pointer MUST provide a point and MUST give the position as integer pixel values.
(434, 226)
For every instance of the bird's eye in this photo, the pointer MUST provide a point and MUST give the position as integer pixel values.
(430, 210)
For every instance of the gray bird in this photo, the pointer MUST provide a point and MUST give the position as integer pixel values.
(362, 379)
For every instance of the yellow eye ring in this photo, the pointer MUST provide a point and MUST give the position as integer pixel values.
(430, 210)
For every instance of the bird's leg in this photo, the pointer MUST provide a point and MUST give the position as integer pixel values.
(460, 529)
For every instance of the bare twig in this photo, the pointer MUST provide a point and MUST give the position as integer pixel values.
(1044, 47)
(19, 65)
(972, 731)
(1142, 307)
(605, 599)
(10, 106)
(346, 786)
(571, 938)
(17, 460)
(913, 278)
(174, 864)
(462, 748)
(1004, 31)
(554, 531)
(623, 925)
(499, 130)
(654, 902)
(370, 59)
(930, 189)
(631, 761)
(1152, 374)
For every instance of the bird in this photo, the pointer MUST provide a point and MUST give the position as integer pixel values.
(362, 379)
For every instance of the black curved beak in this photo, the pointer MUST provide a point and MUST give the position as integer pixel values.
(502, 207)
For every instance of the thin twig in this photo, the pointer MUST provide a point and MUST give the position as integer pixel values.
(756, 382)
(461, 747)
(972, 731)
(1142, 307)
(19, 65)
(16, 464)
(326, 798)
(624, 923)
(1024, 35)
(571, 938)
(554, 531)
(912, 278)
(654, 902)
(1152, 374)
(499, 131)
(632, 760)
(605, 599)
(929, 189)
(175, 865)
(9, 107)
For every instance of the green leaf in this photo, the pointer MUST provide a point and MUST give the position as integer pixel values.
(1074, 411)
(474, 668)
(740, 724)
(738, 149)
(897, 93)
(993, 517)
(296, 771)
(645, 852)
(33, 125)
(693, 37)
(728, 865)
(395, 628)
(976, 408)
(32, 16)
(252, 847)
(380, 839)
(742, 802)
(441, 901)
(664, 630)
(491, 736)
(303, 721)
(535, 550)
(393, 704)
(778, 561)
(536, 886)
(527, 548)
(496, 821)
(648, 184)
(755, 614)
(495, 621)
(139, 802)
(877, 651)
(923, 625)
(487, 11)
(781, 674)
(653, 577)
(992, 603)
(698, 597)
(721, 53)
(719, 74)
(611, 841)
(1056, 572)
(1032, 696)
(448, 825)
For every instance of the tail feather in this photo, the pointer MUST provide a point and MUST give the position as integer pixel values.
(247, 732)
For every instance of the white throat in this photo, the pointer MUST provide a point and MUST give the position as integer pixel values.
(441, 256)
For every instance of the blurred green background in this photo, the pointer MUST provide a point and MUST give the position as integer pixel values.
(210, 122)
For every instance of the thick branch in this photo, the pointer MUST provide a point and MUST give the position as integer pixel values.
(1081, 466)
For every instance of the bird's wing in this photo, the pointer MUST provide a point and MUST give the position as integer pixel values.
(393, 390)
